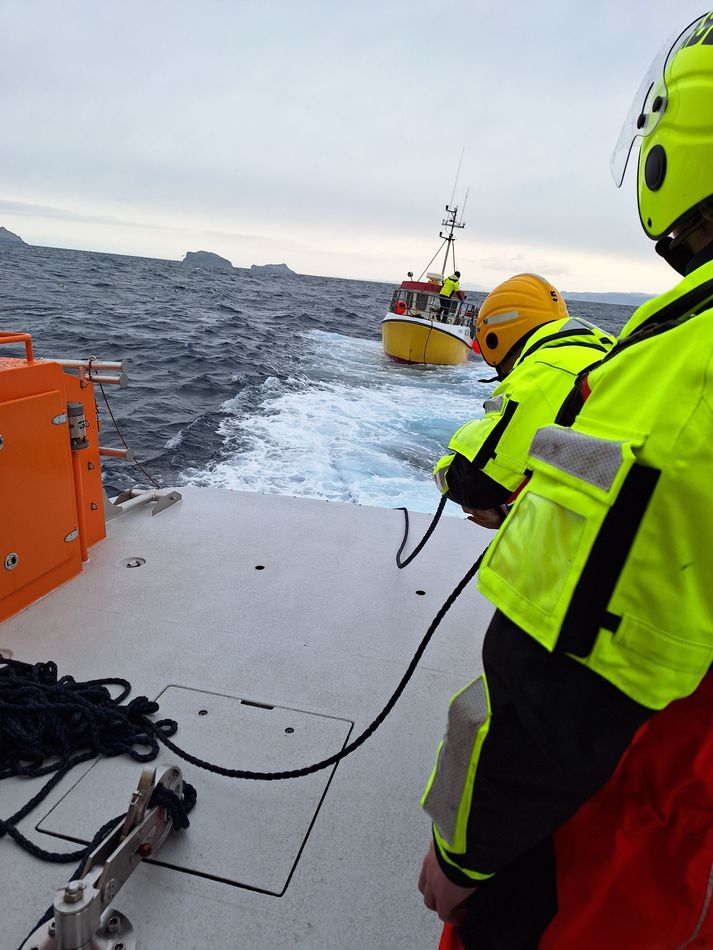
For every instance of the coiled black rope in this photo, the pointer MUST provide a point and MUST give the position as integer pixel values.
(43, 717)
(360, 740)
(436, 518)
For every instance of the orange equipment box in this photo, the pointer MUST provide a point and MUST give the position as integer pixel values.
(50, 496)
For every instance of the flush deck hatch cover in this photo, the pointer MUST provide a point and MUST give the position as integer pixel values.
(245, 833)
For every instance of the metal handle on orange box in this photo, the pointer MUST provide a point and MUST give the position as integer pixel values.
(7, 337)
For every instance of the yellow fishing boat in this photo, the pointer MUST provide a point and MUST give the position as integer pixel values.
(421, 326)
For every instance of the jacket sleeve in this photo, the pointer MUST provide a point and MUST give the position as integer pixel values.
(548, 733)
(489, 460)
(469, 485)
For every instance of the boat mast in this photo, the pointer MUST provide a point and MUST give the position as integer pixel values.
(451, 222)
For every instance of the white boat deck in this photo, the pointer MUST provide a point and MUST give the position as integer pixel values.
(326, 629)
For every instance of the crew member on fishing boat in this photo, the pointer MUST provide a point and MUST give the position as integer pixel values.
(525, 332)
(450, 288)
(572, 797)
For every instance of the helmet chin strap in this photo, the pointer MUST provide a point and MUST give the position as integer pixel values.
(682, 257)
(501, 374)
(691, 238)
(676, 254)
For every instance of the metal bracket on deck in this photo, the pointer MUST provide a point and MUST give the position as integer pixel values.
(136, 498)
(83, 914)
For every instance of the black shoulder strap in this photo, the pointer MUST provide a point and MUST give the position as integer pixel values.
(668, 317)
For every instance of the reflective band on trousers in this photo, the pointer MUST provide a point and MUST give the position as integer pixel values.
(596, 461)
(466, 716)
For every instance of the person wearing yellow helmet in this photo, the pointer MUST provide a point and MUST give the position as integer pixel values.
(524, 330)
(572, 798)
(511, 313)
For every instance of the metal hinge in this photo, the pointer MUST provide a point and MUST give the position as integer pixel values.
(72, 536)
(60, 419)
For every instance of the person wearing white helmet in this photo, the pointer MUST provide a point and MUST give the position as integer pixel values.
(572, 797)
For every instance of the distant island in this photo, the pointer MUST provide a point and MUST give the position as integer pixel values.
(207, 259)
(626, 300)
(7, 237)
(274, 269)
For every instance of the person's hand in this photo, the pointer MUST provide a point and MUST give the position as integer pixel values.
(486, 517)
(439, 893)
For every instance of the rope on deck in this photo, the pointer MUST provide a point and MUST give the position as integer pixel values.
(50, 724)
(436, 518)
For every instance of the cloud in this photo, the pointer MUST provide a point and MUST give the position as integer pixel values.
(326, 130)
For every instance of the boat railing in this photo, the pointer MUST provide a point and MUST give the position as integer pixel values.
(414, 303)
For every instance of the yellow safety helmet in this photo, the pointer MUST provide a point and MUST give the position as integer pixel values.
(512, 311)
(672, 117)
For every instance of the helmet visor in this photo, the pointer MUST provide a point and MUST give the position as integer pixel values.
(651, 98)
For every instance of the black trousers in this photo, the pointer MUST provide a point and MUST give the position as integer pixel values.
(445, 306)
(557, 732)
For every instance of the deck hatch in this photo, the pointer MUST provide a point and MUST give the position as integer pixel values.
(245, 833)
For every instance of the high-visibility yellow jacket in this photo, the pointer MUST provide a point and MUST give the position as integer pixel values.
(619, 509)
(602, 576)
(450, 286)
(490, 460)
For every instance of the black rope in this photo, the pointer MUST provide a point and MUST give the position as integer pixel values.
(360, 740)
(177, 806)
(436, 518)
(134, 461)
(43, 717)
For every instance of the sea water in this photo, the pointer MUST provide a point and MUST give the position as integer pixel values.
(248, 381)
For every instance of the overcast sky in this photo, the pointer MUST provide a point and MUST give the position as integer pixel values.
(327, 134)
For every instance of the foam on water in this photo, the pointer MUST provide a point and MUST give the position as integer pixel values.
(351, 427)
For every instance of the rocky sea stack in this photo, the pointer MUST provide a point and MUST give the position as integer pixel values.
(207, 259)
(8, 238)
(271, 269)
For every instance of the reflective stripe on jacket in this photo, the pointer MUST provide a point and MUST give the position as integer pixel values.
(620, 505)
(527, 399)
